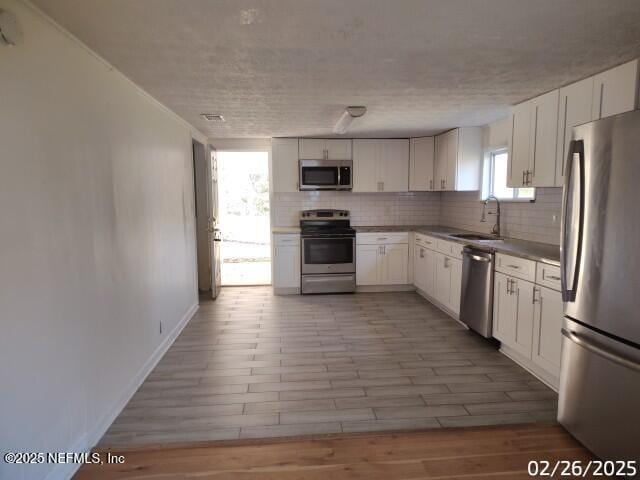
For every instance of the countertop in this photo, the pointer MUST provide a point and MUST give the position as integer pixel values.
(277, 230)
(539, 252)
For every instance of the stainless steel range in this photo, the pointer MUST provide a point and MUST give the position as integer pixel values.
(328, 253)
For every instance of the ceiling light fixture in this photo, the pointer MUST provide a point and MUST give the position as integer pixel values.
(212, 117)
(347, 117)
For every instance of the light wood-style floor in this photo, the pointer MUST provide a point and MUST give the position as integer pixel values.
(469, 453)
(255, 365)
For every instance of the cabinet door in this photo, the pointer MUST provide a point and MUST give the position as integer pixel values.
(338, 149)
(311, 148)
(443, 279)
(456, 284)
(542, 162)
(284, 164)
(505, 307)
(615, 91)
(419, 267)
(430, 272)
(395, 258)
(393, 166)
(368, 264)
(421, 164)
(452, 159)
(520, 144)
(286, 266)
(441, 156)
(574, 108)
(365, 158)
(547, 338)
(523, 340)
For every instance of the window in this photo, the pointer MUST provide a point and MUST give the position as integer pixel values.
(494, 179)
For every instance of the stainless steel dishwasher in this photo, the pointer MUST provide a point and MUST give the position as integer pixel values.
(476, 299)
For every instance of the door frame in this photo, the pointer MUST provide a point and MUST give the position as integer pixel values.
(252, 145)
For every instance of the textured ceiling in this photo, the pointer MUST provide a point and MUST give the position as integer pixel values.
(289, 67)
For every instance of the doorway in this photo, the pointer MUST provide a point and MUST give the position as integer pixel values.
(243, 194)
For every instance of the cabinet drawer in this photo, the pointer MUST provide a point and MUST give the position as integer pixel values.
(516, 266)
(286, 239)
(425, 241)
(445, 247)
(548, 275)
(381, 238)
(456, 250)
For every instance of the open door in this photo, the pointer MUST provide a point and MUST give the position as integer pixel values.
(215, 236)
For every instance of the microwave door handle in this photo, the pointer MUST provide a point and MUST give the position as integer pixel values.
(572, 221)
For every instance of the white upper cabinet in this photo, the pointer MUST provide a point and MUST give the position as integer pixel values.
(338, 149)
(421, 164)
(519, 144)
(394, 165)
(365, 161)
(380, 165)
(458, 157)
(542, 127)
(440, 161)
(311, 148)
(324, 149)
(532, 162)
(615, 91)
(543, 156)
(284, 165)
(574, 108)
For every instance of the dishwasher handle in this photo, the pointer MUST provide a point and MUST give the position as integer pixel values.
(477, 255)
(478, 258)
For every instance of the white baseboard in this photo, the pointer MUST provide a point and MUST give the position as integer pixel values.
(436, 303)
(88, 441)
(545, 377)
(385, 288)
(286, 290)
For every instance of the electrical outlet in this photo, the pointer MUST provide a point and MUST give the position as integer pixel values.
(554, 218)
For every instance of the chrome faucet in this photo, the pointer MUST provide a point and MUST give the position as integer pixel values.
(495, 230)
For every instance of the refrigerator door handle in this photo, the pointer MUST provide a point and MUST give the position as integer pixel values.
(600, 350)
(572, 221)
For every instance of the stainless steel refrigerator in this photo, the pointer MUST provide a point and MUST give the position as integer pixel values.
(599, 400)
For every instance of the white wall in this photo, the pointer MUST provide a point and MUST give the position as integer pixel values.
(97, 241)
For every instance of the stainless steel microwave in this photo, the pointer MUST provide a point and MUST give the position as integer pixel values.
(326, 174)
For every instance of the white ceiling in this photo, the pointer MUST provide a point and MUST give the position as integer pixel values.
(289, 67)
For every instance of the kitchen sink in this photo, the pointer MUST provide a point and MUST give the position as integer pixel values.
(475, 236)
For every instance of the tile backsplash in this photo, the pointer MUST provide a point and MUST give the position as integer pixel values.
(412, 208)
(537, 221)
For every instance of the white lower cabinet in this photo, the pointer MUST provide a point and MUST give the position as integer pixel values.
(527, 319)
(547, 325)
(394, 264)
(438, 275)
(505, 307)
(286, 263)
(513, 313)
(443, 279)
(368, 262)
(382, 264)
(456, 285)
